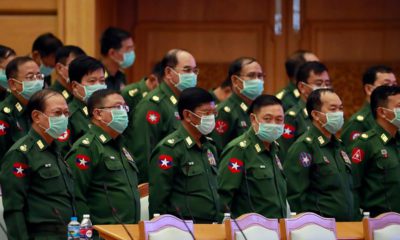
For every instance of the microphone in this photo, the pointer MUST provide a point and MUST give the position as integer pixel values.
(248, 190)
(114, 213)
(183, 220)
(227, 209)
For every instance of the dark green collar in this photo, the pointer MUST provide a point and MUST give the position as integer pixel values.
(38, 140)
(384, 136)
(168, 93)
(187, 138)
(77, 104)
(142, 85)
(320, 138)
(238, 101)
(11, 103)
(256, 142)
(100, 134)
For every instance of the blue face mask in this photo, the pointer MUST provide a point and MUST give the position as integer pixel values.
(129, 59)
(269, 132)
(30, 87)
(252, 88)
(90, 89)
(334, 121)
(119, 120)
(3, 79)
(45, 70)
(186, 80)
(57, 126)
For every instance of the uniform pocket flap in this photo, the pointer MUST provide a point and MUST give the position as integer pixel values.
(113, 164)
(48, 173)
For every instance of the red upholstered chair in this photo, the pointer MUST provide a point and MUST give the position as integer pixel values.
(384, 227)
(254, 226)
(165, 227)
(308, 226)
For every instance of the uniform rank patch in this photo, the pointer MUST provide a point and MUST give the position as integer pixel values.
(82, 161)
(211, 158)
(288, 131)
(354, 135)
(153, 117)
(235, 165)
(305, 159)
(384, 153)
(345, 157)
(127, 154)
(19, 169)
(357, 155)
(221, 126)
(278, 162)
(165, 161)
(3, 128)
(65, 136)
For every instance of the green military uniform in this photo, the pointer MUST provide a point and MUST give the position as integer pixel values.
(289, 96)
(232, 121)
(251, 178)
(296, 123)
(155, 117)
(105, 178)
(183, 175)
(37, 190)
(3, 94)
(79, 120)
(14, 123)
(376, 158)
(360, 122)
(319, 180)
(62, 90)
(115, 82)
(135, 92)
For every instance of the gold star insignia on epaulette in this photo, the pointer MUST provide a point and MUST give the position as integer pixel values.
(40, 144)
(364, 135)
(258, 148)
(188, 141)
(321, 140)
(132, 92)
(19, 107)
(23, 148)
(296, 93)
(243, 106)
(85, 141)
(384, 138)
(308, 139)
(155, 98)
(242, 144)
(65, 94)
(360, 118)
(85, 111)
(144, 94)
(227, 109)
(173, 100)
(103, 138)
(171, 141)
(292, 113)
(7, 110)
(305, 112)
(280, 94)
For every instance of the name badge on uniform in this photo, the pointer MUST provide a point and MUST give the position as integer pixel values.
(278, 162)
(177, 116)
(211, 158)
(345, 157)
(384, 153)
(243, 124)
(127, 154)
(326, 159)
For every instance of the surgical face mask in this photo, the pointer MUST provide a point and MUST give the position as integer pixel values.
(207, 124)
(57, 126)
(252, 88)
(3, 79)
(186, 80)
(396, 120)
(30, 87)
(313, 87)
(119, 121)
(269, 132)
(45, 70)
(334, 121)
(129, 59)
(90, 89)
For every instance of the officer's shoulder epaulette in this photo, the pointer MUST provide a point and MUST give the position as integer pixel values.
(367, 135)
(172, 141)
(291, 113)
(86, 140)
(156, 98)
(244, 143)
(133, 92)
(6, 110)
(24, 145)
(308, 140)
(360, 117)
(281, 94)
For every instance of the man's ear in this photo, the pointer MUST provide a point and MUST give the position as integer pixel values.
(315, 115)
(368, 89)
(186, 116)
(35, 116)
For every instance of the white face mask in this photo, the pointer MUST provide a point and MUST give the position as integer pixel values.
(207, 123)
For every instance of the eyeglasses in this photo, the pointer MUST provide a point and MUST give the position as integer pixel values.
(189, 70)
(119, 107)
(32, 76)
(254, 75)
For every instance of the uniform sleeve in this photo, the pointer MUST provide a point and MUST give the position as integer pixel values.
(143, 134)
(83, 163)
(296, 168)
(14, 180)
(223, 130)
(6, 140)
(163, 165)
(230, 176)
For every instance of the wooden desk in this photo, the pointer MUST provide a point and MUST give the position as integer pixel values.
(345, 231)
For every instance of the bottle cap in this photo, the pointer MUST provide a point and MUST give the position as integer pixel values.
(86, 215)
(74, 219)
(227, 214)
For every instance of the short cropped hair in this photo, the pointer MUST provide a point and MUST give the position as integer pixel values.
(380, 95)
(82, 66)
(262, 101)
(6, 52)
(191, 98)
(38, 101)
(369, 76)
(112, 37)
(96, 100)
(64, 52)
(13, 66)
(46, 44)
(293, 63)
(305, 70)
(314, 100)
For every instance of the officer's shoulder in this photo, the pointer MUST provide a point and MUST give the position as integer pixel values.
(366, 136)
(241, 142)
(86, 140)
(23, 145)
(172, 140)
(155, 96)
(306, 139)
(280, 95)
(131, 90)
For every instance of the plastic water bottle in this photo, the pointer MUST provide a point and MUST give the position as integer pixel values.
(73, 228)
(226, 217)
(86, 230)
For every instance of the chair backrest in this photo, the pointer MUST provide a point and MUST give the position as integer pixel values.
(384, 226)
(254, 226)
(165, 227)
(144, 201)
(308, 226)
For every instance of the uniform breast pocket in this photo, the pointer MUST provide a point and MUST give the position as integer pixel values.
(113, 165)
(390, 169)
(262, 173)
(327, 176)
(51, 179)
(194, 178)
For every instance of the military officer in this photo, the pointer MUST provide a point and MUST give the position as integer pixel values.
(105, 171)
(376, 155)
(6, 55)
(64, 57)
(24, 79)
(135, 92)
(317, 168)
(247, 83)
(290, 94)
(183, 166)
(156, 115)
(363, 120)
(250, 175)
(36, 182)
(87, 76)
(310, 76)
